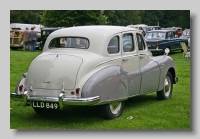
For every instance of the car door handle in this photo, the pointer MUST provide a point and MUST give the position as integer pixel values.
(141, 57)
(124, 59)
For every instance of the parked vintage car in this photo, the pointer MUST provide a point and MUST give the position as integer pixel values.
(16, 40)
(94, 65)
(159, 40)
(185, 34)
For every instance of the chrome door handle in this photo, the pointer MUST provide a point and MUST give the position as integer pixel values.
(141, 57)
(124, 59)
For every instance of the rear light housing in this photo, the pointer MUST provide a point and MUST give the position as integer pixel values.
(77, 91)
(157, 43)
(20, 87)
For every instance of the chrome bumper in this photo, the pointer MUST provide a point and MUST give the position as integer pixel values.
(61, 99)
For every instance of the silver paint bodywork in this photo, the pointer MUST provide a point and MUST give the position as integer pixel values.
(101, 77)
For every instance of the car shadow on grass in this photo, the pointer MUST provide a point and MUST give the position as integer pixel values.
(76, 114)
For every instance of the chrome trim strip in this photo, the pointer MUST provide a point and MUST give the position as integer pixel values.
(107, 61)
(155, 50)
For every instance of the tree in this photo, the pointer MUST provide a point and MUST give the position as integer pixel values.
(25, 16)
(66, 18)
(152, 17)
(123, 17)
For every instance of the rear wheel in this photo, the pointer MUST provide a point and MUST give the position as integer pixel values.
(166, 92)
(112, 110)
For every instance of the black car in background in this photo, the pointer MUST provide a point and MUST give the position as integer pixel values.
(45, 32)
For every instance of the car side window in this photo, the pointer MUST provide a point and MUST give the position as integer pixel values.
(128, 45)
(113, 45)
(175, 34)
(141, 44)
(170, 35)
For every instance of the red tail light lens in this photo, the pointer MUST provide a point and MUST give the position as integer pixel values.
(72, 93)
(77, 90)
(157, 43)
(20, 87)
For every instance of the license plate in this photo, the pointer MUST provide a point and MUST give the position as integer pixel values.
(45, 105)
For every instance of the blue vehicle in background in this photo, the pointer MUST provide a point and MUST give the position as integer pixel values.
(159, 40)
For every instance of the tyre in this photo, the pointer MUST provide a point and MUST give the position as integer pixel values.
(166, 92)
(112, 110)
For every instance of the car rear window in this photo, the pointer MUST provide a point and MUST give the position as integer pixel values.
(69, 42)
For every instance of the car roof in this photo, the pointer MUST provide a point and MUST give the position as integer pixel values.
(89, 31)
(96, 34)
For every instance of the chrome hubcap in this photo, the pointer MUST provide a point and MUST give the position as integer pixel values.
(115, 107)
(167, 87)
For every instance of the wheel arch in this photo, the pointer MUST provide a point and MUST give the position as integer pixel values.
(105, 83)
(173, 73)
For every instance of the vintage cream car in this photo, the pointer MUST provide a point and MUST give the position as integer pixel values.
(94, 65)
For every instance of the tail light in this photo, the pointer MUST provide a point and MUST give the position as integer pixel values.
(77, 90)
(20, 87)
(157, 43)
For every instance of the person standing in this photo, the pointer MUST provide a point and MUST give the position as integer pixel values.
(32, 39)
(25, 39)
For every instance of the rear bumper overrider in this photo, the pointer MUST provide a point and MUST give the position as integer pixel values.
(61, 99)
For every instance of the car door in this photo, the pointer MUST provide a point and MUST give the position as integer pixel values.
(177, 41)
(171, 40)
(130, 63)
(148, 67)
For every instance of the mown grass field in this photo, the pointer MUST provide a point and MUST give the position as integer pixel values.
(147, 112)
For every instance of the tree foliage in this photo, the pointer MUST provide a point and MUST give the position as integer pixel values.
(25, 16)
(68, 18)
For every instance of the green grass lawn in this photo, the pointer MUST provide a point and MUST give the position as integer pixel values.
(147, 112)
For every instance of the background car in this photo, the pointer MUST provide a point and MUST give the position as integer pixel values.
(16, 39)
(45, 32)
(185, 34)
(159, 40)
(89, 66)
